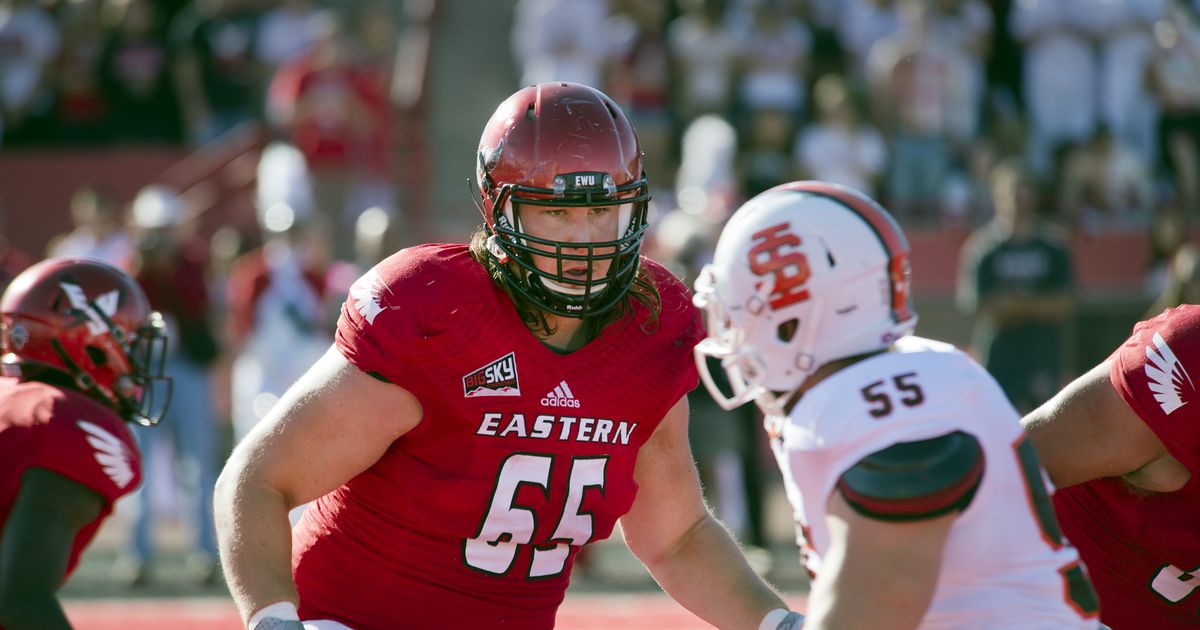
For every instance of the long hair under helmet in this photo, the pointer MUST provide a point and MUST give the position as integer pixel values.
(562, 145)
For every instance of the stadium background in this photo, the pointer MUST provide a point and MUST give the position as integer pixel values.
(452, 64)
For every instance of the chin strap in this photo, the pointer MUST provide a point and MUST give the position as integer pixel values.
(84, 381)
(497, 252)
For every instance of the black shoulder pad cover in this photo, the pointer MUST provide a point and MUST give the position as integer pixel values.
(915, 480)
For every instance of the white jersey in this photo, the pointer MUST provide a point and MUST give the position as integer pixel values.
(1003, 566)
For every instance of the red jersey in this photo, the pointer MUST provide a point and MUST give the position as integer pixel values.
(1143, 550)
(523, 454)
(66, 432)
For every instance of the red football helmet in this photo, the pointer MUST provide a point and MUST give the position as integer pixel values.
(87, 323)
(562, 145)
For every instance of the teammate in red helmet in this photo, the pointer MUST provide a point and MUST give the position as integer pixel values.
(490, 409)
(82, 356)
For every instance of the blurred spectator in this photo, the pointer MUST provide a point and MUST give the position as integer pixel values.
(824, 17)
(774, 50)
(705, 52)
(80, 109)
(287, 31)
(29, 44)
(706, 184)
(918, 83)
(333, 104)
(1126, 45)
(966, 200)
(12, 260)
(1175, 76)
(640, 77)
(838, 146)
(1060, 69)
(218, 75)
(1016, 279)
(277, 320)
(966, 27)
(765, 160)
(560, 40)
(136, 79)
(1168, 234)
(99, 230)
(170, 267)
(1183, 280)
(1106, 185)
(863, 23)
(376, 31)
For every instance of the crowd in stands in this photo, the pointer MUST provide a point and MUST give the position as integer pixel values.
(177, 73)
(912, 101)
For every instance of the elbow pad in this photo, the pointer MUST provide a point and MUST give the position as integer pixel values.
(918, 480)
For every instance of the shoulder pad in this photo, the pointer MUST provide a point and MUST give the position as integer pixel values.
(915, 480)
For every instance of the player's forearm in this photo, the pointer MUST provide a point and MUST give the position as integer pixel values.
(708, 575)
(255, 541)
(40, 612)
(890, 602)
(877, 575)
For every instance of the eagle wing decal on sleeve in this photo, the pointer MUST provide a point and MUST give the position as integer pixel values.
(1168, 378)
(112, 455)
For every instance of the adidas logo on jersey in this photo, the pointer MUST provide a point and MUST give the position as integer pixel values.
(561, 397)
(1169, 381)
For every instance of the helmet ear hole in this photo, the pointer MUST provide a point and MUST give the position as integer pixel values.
(787, 330)
(96, 355)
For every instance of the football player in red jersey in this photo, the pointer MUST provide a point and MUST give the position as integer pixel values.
(82, 355)
(490, 409)
(1122, 443)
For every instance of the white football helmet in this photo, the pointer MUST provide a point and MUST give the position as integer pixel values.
(803, 274)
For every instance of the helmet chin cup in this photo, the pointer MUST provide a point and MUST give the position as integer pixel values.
(494, 248)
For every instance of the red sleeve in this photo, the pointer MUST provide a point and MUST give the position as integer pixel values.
(383, 318)
(1154, 371)
(91, 447)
